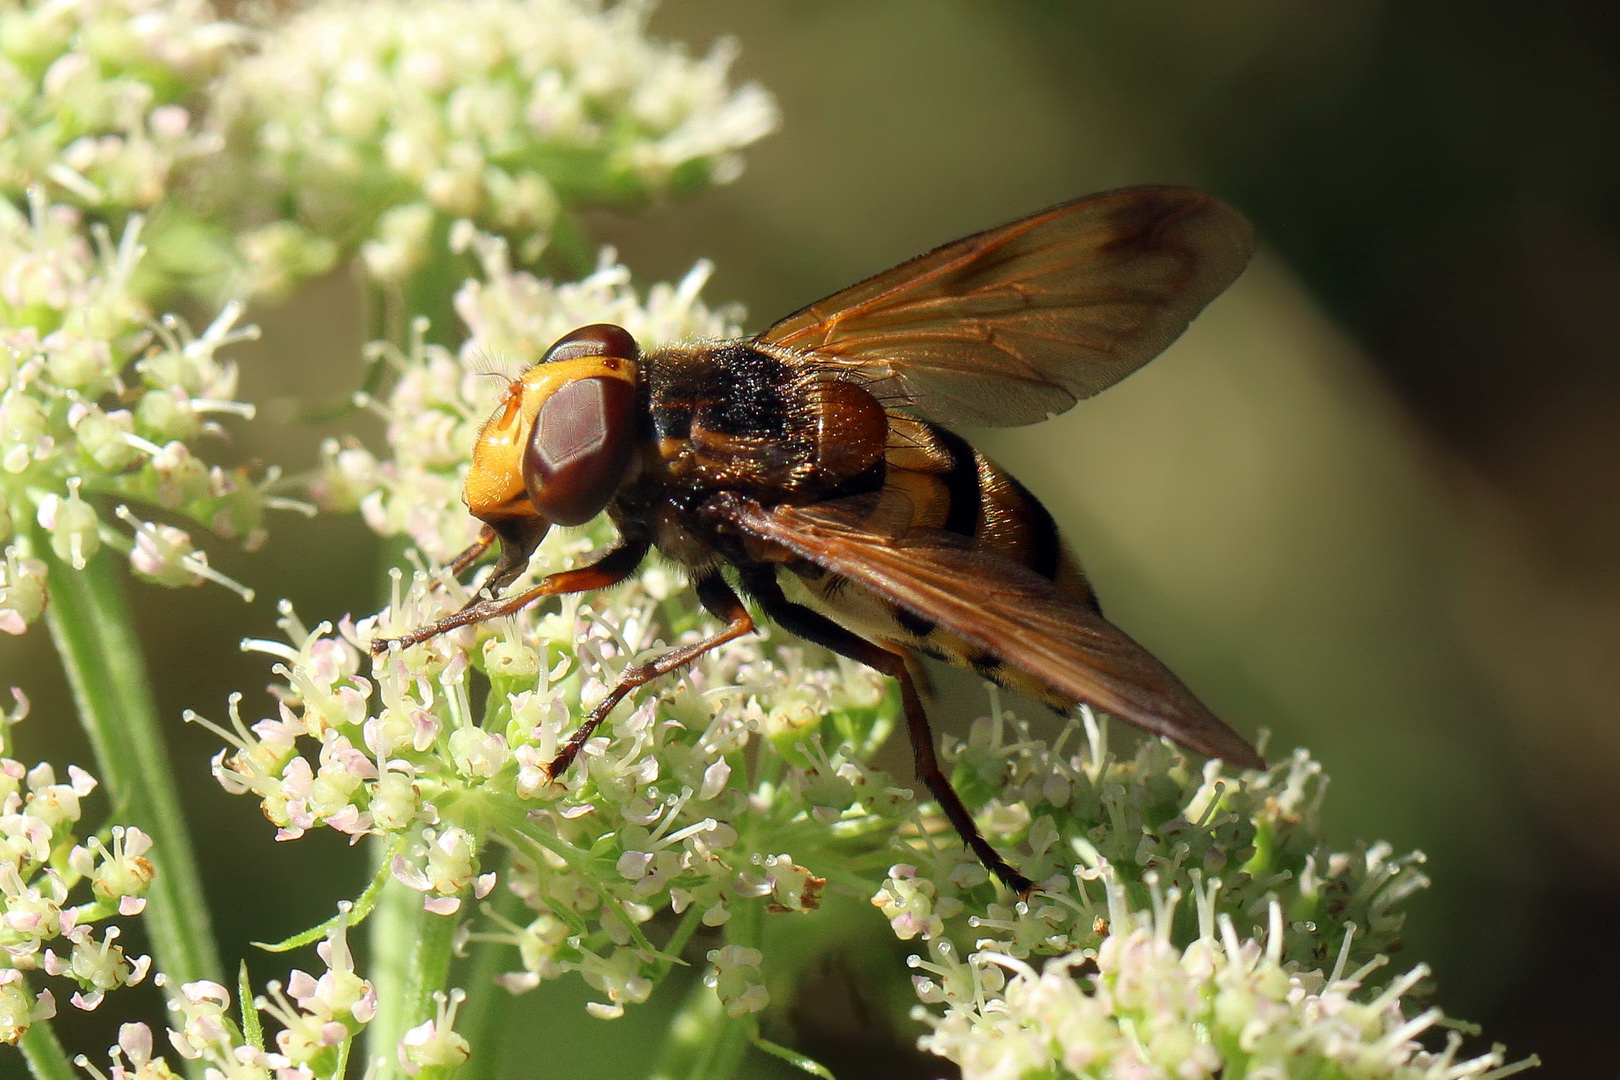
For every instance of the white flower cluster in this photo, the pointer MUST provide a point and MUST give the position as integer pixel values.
(670, 807)
(96, 96)
(1143, 1007)
(57, 892)
(99, 405)
(318, 1016)
(1062, 816)
(371, 124)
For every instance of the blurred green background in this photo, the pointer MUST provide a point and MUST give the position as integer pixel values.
(1371, 502)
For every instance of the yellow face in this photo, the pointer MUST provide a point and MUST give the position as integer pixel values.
(496, 486)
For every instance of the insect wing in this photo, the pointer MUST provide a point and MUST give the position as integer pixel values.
(1016, 323)
(1005, 609)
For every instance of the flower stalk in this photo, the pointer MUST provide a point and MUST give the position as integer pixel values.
(412, 948)
(92, 628)
(46, 1058)
(391, 930)
(489, 1007)
(703, 1041)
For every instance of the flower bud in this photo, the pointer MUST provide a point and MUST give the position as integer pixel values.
(166, 415)
(104, 439)
(22, 592)
(74, 527)
(24, 424)
(76, 361)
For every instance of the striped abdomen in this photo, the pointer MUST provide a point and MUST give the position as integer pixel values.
(935, 479)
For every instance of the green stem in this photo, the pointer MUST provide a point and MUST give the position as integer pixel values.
(394, 924)
(431, 291)
(677, 942)
(410, 962)
(704, 1043)
(746, 927)
(94, 633)
(44, 1054)
(430, 966)
(722, 1056)
(486, 1012)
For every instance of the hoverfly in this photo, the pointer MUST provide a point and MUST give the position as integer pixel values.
(813, 454)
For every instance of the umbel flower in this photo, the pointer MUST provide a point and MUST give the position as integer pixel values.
(102, 107)
(97, 97)
(370, 125)
(1140, 1005)
(318, 1016)
(102, 411)
(60, 892)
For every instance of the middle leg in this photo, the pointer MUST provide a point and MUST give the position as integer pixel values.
(719, 600)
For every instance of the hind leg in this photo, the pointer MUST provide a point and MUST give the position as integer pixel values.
(813, 626)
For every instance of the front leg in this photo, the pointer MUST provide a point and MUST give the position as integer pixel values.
(518, 536)
(473, 552)
(613, 567)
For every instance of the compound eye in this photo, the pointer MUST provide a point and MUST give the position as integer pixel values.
(579, 449)
(598, 339)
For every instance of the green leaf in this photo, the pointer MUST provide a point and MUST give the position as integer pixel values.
(794, 1058)
(252, 1029)
(363, 906)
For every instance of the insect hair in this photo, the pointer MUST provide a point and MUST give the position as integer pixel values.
(484, 362)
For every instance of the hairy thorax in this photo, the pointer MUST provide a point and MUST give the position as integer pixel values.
(734, 417)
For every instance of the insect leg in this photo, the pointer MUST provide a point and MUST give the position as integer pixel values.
(813, 626)
(474, 552)
(717, 597)
(471, 554)
(613, 567)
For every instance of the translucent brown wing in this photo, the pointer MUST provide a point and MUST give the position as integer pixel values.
(1005, 609)
(1014, 324)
